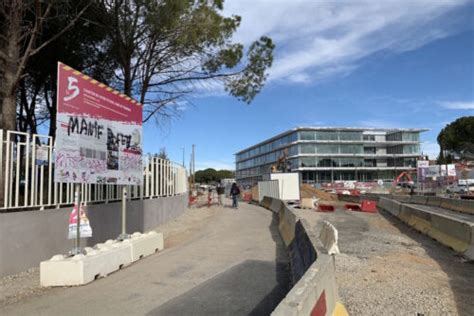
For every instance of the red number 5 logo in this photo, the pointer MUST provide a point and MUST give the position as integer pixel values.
(72, 88)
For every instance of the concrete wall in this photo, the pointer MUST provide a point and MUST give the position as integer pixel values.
(27, 238)
(448, 230)
(313, 270)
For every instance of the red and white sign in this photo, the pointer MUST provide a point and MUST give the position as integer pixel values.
(85, 227)
(99, 132)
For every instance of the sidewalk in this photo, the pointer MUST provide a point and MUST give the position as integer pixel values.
(233, 262)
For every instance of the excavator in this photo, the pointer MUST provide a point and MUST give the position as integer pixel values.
(408, 183)
(282, 164)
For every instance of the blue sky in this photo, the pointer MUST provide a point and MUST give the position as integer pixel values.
(337, 63)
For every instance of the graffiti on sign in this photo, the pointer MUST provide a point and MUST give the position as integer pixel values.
(99, 135)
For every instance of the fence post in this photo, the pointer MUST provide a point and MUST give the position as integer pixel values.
(2, 182)
(23, 183)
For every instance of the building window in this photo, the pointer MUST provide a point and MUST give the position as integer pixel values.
(326, 135)
(369, 150)
(394, 137)
(306, 135)
(370, 163)
(351, 149)
(369, 137)
(410, 137)
(350, 162)
(350, 135)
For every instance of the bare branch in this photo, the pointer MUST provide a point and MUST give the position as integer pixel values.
(67, 27)
(158, 105)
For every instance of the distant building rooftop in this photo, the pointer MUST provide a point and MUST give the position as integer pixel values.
(332, 128)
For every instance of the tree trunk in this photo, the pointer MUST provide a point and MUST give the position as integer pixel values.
(8, 86)
(52, 123)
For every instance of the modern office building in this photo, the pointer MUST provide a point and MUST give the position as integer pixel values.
(327, 154)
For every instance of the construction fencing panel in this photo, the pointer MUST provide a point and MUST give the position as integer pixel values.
(268, 188)
(27, 177)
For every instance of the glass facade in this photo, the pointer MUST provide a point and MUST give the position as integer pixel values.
(404, 136)
(404, 149)
(265, 148)
(328, 150)
(329, 135)
(311, 162)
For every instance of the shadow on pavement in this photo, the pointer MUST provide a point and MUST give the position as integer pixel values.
(253, 287)
(249, 288)
(461, 274)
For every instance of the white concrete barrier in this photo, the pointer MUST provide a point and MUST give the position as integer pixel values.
(449, 230)
(328, 237)
(315, 291)
(143, 245)
(82, 269)
(99, 261)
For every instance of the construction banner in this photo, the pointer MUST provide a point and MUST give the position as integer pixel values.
(99, 132)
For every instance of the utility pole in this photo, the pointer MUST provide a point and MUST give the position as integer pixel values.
(183, 156)
(194, 163)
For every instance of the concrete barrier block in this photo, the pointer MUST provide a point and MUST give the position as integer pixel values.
(329, 237)
(390, 206)
(401, 198)
(418, 199)
(433, 201)
(459, 232)
(307, 203)
(315, 289)
(286, 225)
(266, 202)
(82, 269)
(142, 245)
(463, 206)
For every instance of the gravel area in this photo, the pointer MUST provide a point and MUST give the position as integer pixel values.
(25, 285)
(387, 268)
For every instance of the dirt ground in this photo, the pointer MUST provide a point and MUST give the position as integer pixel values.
(387, 268)
(26, 284)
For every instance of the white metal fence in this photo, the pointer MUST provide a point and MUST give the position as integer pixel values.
(268, 188)
(27, 170)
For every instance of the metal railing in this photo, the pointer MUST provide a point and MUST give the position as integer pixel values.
(27, 170)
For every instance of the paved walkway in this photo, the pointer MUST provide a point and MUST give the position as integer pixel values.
(234, 265)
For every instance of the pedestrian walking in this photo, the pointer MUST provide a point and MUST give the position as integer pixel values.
(234, 193)
(220, 194)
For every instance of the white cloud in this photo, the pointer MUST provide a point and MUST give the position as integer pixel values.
(379, 123)
(299, 78)
(458, 105)
(322, 39)
(430, 148)
(215, 164)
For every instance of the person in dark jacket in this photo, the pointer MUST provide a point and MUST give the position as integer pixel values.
(234, 193)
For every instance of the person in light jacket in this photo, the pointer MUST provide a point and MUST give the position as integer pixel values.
(234, 193)
(220, 193)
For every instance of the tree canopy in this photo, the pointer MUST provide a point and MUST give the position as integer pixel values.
(457, 138)
(211, 175)
(159, 52)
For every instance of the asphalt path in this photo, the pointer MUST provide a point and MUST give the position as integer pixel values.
(235, 264)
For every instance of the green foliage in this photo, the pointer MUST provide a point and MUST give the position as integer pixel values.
(156, 51)
(211, 175)
(250, 81)
(457, 138)
(84, 46)
(163, 154)
(166, 49)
